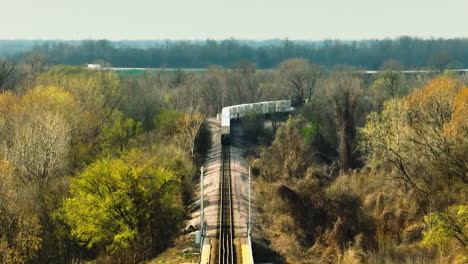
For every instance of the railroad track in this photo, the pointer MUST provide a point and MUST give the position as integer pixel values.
(226, 248)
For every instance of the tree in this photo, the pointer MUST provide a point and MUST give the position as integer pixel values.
(7, 69)
(391, 65)
(188, 126)
(390, 78)
(343, 92)
(388, 84)
(38, 62)
(439, 61)
(8, 102)
(416, 136)
(182, 95)
(446, 226)
(212, 90)
(382, 137)
(166, 122)
(321, 129)
(95, 94)
(40, 147)
(252, 126)
(130, 205)
(117, 135)
(37, 133)
(300, 77)
(20, 230)
(242, 83)
(288, 156)
(458, 125)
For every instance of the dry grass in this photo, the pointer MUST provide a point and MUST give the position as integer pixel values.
(307, 225)
(398, 218)
(390, 253)
(174, 255)
(393, 212)
(351, 256)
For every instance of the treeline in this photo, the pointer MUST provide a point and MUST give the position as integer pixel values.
(367, 54)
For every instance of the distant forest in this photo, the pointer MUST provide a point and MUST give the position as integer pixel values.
(367, 54)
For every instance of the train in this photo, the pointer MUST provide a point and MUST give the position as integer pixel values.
(237, 111)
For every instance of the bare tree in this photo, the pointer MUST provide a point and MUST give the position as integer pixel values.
(391, 65)
(212, 91)
(242, 83)
(388, 83)
(183, 95)
(189, 126)
(7, 70)
(39, 146)
(439, 61)
(344, 91)
(300, 77)
(38, 62)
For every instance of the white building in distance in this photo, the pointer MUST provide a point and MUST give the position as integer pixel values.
(94, 66)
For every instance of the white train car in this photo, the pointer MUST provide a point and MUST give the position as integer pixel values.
(238, 111)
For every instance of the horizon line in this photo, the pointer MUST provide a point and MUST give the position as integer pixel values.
(234, 38)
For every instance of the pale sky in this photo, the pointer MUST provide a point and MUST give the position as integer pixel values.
(240, 19)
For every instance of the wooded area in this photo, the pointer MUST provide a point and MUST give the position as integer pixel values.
(96, 166)
(367, 54)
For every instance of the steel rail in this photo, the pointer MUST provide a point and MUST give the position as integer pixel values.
(226, 254)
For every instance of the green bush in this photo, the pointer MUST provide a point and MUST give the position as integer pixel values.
(128, 204)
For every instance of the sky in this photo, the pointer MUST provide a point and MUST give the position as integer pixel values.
(239, 19)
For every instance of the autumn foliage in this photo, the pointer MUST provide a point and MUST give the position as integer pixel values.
(80, 178)
(407, 204)
(421, 142)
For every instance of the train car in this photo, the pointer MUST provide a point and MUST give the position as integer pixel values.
(264, 107)
(226, 125)
(285, 106)
(238, 111)
(271, 107)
